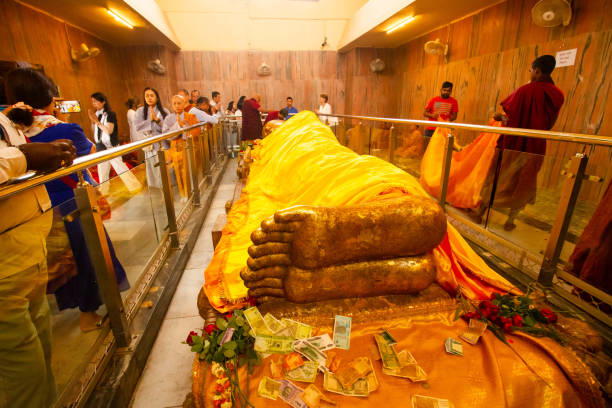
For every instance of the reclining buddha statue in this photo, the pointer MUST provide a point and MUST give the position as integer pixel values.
(317, 221)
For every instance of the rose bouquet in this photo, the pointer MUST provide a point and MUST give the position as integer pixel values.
(227, 344)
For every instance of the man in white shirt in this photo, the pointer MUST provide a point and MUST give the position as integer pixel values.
(26, 379)
(216, 104)
(203, 105)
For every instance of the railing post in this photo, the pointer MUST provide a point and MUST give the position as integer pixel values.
(392, 143)
(446, 165)
(567, 202)
(99, 252)
(193, 171)
(168, 199)
(370, 141)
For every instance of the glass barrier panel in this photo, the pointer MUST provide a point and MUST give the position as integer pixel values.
(130, 223)
(76, 308)
(524, 203)
(156, 197)
(341, 132)
(176, 161)
(598, 174)
(409, 148)
(380, 138)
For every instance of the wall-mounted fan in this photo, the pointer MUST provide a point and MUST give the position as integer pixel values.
(83, 53)
(377, 65)
(264, 69)
(436, 47)
(551, 13)
(157, 67)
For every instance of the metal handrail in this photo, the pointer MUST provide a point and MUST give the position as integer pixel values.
(84, 162)
(539, 134)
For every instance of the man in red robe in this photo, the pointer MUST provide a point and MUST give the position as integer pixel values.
(532, 106)
(251, 119)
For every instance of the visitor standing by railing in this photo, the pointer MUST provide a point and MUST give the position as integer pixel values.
(149, 122)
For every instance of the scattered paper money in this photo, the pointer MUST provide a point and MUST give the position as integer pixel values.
(310, 352)
(290, 393)
(256, 321)
(322, 342)
(331, 384)
(373, 383)
(421, 401)
(307, 372)
(300, 330)
(476, 328)
(333, 361)
(348, 374)
(227, 336)
(388, 338)
(453, 346)
(387, 353)
(292, 361)
(312, 396)
(342, 332)
(274, 344)
(273, 324)
(268, 388)
(276, 367)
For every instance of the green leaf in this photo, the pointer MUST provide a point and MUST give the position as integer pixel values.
(528, 321)
(231, 345)
(240, 321)
(203, 355)
(196, 348)
(229, 353)
(196, 339)
(221, 323)
(458, 312)
(206, 343)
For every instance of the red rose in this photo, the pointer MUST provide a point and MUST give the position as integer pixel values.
(517, 321)
(508, 327)
(494, 296)
(471, 315)
(228, 316)
(549, 315)
(230, 365)
(218, 403)
(190, 337)
(210, 328)
(252, 301)
(219, 388)
(226, 385)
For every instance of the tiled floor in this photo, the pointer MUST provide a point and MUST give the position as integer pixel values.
(166, 378)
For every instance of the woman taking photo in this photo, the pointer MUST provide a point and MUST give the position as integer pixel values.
(105, 131)
(148, 122)
(39, 125)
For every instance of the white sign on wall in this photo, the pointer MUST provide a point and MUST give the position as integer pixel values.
(566, 58)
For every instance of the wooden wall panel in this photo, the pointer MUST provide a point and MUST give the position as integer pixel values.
(300, 74)
(31, 36)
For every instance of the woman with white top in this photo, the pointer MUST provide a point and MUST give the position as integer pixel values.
(326, 108)
(149, 122)
(104, 126)
(132, 105)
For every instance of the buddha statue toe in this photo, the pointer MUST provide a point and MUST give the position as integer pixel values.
(307, 253)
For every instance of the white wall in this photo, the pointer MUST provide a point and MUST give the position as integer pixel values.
(259, 24)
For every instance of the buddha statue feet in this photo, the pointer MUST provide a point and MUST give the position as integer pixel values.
(307, 254)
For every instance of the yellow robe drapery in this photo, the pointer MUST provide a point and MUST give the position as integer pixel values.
(302, 163)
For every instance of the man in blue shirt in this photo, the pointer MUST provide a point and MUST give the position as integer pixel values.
(290, 108)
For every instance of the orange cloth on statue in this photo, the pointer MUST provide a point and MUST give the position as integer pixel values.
(490, 374)
(301, 162)
(469, 167)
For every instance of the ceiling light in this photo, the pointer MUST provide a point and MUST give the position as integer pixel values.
(399, 24)
(119, 18)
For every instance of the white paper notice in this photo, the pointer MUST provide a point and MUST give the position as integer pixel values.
(566, 58)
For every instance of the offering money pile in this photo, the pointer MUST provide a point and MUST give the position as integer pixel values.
(476, 329)
(421, 401)
(401, 364)
(303, 357)
(453, 346)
